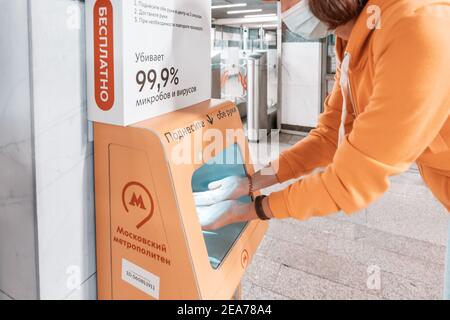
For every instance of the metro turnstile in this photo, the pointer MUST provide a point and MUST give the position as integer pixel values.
(259, 118)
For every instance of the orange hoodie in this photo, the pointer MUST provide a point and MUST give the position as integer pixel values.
(398, 112)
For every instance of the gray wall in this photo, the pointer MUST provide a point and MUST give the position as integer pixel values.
(18, 265)
(47, 226)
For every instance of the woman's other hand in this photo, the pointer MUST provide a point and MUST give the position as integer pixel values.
(225, 213)
(228, 212)
(231, 188)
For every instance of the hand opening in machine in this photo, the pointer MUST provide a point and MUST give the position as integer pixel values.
(228, 165)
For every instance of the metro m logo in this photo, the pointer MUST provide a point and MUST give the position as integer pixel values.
(137, 199)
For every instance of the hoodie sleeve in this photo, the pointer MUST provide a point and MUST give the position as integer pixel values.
(408, 106)
(316, 150)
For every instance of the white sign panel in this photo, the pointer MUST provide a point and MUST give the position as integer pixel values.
(146, 57)
(140, 278)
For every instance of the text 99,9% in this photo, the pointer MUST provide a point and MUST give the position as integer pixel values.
(154, 79)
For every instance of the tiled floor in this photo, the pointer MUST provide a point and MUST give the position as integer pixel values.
(395, 249)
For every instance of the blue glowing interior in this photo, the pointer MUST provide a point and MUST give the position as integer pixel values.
(227, 163)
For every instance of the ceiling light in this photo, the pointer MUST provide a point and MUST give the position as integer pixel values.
(260, 15)
(236, 5)
(244, 11)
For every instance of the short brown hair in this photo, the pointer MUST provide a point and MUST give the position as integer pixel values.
(336, 12)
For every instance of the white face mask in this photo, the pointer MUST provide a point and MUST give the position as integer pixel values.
(300, 20)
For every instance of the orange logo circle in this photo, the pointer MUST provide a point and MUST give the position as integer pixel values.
(135, 199)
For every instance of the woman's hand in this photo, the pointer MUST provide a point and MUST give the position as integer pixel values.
(225, 213)
(218, 207)
(231, 188)
(228, 212)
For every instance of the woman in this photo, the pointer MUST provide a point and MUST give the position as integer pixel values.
(390, 107)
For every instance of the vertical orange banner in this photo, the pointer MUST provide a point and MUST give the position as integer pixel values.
(104, 54)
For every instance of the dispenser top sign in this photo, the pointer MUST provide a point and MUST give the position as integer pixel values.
(146, 57)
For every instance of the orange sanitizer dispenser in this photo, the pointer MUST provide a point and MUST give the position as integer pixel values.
(150, 244)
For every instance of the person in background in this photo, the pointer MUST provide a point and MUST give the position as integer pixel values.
(389, 108)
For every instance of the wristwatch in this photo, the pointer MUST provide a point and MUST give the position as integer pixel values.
(259, 208)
